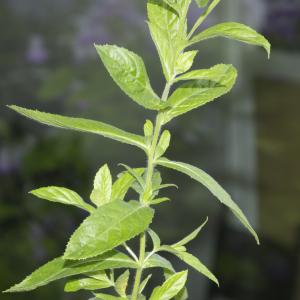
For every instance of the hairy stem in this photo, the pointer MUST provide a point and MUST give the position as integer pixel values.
(148, 192)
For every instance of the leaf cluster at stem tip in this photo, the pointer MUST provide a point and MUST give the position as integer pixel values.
(98, 257)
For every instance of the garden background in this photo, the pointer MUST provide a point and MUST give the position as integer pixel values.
(249, 141)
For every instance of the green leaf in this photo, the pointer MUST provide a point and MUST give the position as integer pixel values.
(83, 125)
(192, 261)
(156, 180)
(234, 31)
(173, 4)
(155, 239)
(171, 287)
(157, 261)
(181, 6)
(202, 3)
(212, 74)
(121, 283)
(134, 173)
(101, 193)
(138, 188)
(205, 179)
(203, 16)
(123, 183)
(185, 61)
(168, 34)
(150, 194)
(60, 268)
(128, 70)
(144, 283)
(163, 144)
(109, 226)
(159, 200)
(183, 294)
(166, 185)
(99, 275)
(196, 93)
(148, 132)
(191, 236)
(90, 284)
(109, 297)
(195, 263)
(148, 128)
(62, 195)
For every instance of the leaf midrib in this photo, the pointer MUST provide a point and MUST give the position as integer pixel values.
(111, 226)
(201, 90)
(78, 264)
(105, 130)
(144, 87)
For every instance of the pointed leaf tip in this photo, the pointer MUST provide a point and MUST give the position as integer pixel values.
(61, 195)
(191, 236)
(213, 186)
(58, 268)
(102, 190)
(234, 31)
(82, 125)
(128, 70)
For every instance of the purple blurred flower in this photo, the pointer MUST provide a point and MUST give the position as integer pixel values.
(83, 104)
(255, 13)
(8, 162)
(106, 22)
(283, 20)
(36, 52)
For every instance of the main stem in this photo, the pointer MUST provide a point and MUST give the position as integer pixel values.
(148, 192)
(139, 271)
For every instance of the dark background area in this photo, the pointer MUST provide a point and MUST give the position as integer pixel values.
(248, 141)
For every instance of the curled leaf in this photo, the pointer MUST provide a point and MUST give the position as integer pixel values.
(234, 31)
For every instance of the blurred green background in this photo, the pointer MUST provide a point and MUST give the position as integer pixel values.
(249, 141)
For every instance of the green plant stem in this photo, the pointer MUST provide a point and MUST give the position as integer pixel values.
(151, 153)
(148, 192)
(166, 91)
(150, 163)
(139, 271)
(201, 19)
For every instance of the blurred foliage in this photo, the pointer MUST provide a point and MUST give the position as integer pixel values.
(47, 61)
(278, 153)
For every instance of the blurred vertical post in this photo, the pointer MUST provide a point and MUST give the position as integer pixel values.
(241, 128)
